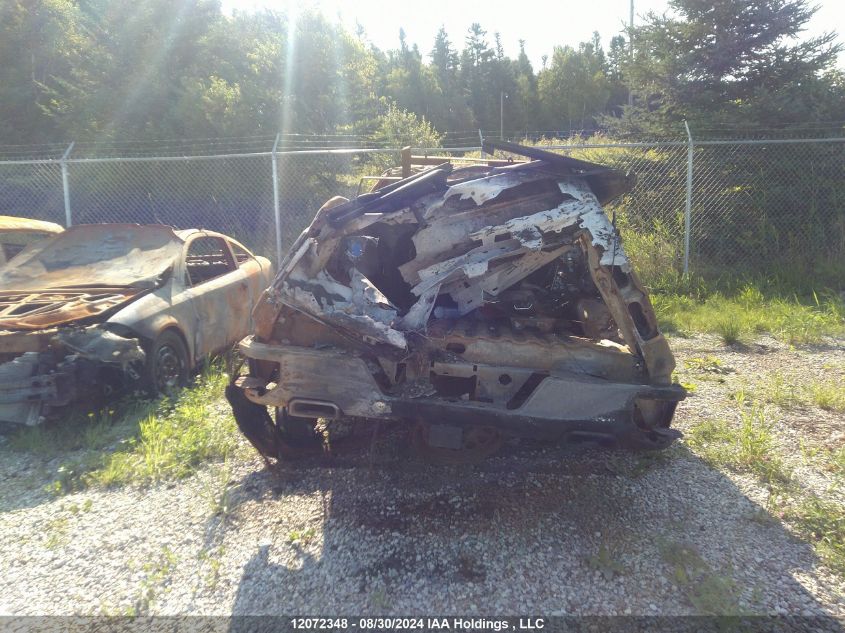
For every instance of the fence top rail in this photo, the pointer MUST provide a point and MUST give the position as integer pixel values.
(777, 141)
(421, 150)
(774, 141)
(148, 159)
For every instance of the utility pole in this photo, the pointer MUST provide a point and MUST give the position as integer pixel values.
(631, 49)
(502, 115)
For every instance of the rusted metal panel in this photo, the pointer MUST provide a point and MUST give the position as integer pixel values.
(37, 310)
(13, 224)
(16, 234)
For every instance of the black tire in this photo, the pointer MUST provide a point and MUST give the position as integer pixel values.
(167, 364)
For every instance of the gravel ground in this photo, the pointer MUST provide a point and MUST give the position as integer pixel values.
(535, 530)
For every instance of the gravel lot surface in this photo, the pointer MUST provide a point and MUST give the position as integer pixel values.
(552, 530)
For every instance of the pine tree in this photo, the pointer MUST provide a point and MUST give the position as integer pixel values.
(721, 63)
(476, 67)
(444, 58)
(454, 113)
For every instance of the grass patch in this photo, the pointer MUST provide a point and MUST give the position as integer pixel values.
(605, 563)
(303, 537)
(217, 490)
(82, 430)
(788, 393)
(212, 560)
(708, 364)
(828, 395)
(709, 593)
(744, 447)
(157, 575)
(729, 331)
(781, 392)
(836, 463)
(139, 441)
(749, 447)
(822, 523)
(56, 531)
(748, 311)
(172, 442)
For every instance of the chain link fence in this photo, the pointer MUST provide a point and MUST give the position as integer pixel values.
(718, 207)
(651, 218)
(731, 208)
(759, 206)
(231, 194)
(32, 190)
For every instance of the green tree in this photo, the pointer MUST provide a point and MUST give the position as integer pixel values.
(526, 99)
(140, 56)
(724, 63)
(43, 48)
(412, 84)
(574, 89)
(616, 58)
(397, 127)
(247, 55)
(444, 58)
(476, 66)
(455, 114)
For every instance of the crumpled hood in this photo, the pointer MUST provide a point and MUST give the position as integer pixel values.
(94, 255)
(40, 310)
(83, 272)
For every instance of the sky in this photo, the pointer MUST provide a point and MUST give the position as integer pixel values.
(541, 23)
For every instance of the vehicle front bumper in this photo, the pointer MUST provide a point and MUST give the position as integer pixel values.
(55, 368)
(31, 383)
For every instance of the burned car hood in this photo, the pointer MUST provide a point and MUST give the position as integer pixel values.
(84, 272)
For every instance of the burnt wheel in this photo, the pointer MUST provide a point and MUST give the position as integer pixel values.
(167, 364)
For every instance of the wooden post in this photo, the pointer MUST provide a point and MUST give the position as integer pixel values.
(406, 162)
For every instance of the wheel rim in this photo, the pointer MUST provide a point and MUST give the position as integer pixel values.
(168, 368)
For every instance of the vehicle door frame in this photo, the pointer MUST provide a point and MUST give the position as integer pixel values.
(200, 343)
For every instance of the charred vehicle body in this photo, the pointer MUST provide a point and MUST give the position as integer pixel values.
(473, 303)
(101, 308)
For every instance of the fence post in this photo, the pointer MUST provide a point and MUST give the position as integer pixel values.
(406, 161)
(688, 210)
(276, 212)
(66, 186)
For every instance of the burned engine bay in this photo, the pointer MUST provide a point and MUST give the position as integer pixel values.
(473, 303)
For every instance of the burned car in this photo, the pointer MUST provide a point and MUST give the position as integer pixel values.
(18, 233)
(101, 308)
(473, 304)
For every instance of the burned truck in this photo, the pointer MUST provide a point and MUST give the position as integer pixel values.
(471, 303)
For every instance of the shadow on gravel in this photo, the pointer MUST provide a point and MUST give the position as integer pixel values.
(552, 531)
